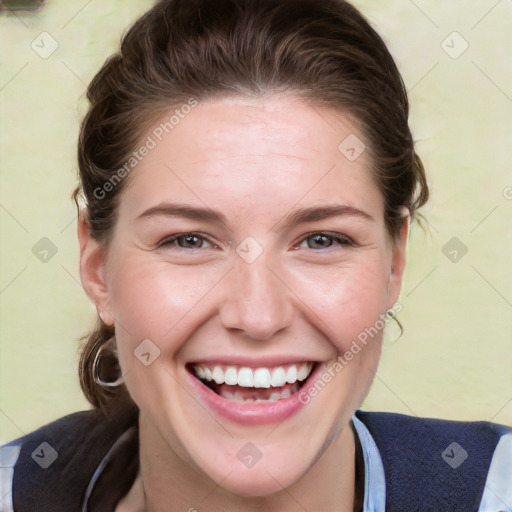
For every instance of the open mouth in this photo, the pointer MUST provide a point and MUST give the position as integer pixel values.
(260, 384)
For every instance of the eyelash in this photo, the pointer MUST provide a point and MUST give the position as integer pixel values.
(172, 239)
(342, 240)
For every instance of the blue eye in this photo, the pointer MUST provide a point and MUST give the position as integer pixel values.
(325, 241)
(186, 241)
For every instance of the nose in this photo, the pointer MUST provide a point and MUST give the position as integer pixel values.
(258, 301)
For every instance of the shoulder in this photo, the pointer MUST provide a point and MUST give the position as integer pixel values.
(54, 464)
(426, 459)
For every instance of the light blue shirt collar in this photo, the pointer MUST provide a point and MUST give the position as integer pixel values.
(374, 479)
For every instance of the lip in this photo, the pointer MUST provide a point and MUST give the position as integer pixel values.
(252, 413)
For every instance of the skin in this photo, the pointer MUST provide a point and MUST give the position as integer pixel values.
(256, 161)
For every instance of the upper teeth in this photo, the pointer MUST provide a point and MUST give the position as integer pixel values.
(254, 377)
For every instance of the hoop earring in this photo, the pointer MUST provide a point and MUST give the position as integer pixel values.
(96, 376)
(391, 314)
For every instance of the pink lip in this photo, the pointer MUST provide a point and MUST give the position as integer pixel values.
(252, 413)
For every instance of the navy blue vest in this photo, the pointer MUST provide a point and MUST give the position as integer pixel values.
(418, 477)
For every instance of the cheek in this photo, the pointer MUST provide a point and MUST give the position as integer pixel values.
(347, 301)
(349, 307)
(149, 299)
(156, 307)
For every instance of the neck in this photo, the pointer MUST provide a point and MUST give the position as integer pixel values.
(167, 476)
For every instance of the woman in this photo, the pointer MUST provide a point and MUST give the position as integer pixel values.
(249, 178)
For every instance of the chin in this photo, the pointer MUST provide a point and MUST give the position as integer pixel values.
(252, 483)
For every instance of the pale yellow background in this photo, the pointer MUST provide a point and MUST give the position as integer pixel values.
(455, 358)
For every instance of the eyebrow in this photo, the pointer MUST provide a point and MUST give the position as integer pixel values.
(300, 216)
(185, 211)
(316, 213)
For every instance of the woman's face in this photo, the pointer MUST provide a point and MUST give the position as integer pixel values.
(250, 247)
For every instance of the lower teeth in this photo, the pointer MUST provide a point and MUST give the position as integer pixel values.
(238, 396)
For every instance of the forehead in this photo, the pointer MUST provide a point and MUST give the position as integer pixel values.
(252, 154)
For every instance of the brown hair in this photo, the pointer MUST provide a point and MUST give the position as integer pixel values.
(322, 50)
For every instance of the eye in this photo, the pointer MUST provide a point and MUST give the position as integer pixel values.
(324, 241)
(187, 241)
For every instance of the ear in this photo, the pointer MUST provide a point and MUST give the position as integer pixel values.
(92, 269)
(398, 261)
